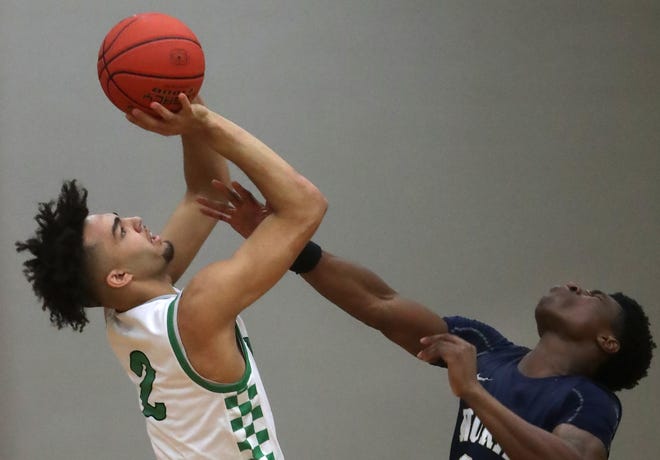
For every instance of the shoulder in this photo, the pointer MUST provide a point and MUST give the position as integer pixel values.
(150, 310)
(593, 395)
(591, 408)
(578, 397)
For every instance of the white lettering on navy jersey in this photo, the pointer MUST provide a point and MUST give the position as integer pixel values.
(473, 431)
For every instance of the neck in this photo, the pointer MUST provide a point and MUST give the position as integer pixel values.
(137, 293)
(554, 356)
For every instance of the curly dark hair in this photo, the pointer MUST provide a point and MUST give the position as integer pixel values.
(57, 271)
(630, 364)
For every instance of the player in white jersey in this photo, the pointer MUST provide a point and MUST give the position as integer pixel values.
(185, 412)
(186, 351)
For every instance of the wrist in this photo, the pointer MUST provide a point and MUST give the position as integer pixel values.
(472, 393)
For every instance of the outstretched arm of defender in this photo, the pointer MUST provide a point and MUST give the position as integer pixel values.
(355, 289)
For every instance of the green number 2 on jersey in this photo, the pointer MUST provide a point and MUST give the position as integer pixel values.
(140, 364)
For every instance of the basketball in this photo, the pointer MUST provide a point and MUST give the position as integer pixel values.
(150, 57)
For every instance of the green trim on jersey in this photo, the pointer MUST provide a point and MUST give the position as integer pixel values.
(187, 368)
(248, 423)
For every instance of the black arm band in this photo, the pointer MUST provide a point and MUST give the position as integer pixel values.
(308, 258)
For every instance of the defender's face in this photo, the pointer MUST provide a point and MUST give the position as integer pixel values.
(577, 312)
(126, 243)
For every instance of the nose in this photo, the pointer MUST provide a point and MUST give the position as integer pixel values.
(574, 287)
(136, 222)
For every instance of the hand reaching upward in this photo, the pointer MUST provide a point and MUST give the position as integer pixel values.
(241, 210)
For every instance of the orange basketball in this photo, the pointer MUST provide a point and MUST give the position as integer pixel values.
(150, 57)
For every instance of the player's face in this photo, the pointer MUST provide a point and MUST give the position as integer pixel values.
(127, 244)
(576, 312)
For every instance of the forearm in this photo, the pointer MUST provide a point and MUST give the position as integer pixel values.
(518, 438)
(202, 164)
(365, 296)
(287, 192)
(185, 229)
(351, 287)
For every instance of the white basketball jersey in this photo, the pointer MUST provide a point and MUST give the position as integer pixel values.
(188, 416)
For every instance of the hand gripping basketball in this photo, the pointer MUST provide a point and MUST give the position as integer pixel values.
(189, 119)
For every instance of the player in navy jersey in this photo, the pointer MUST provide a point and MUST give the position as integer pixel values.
(554, 401)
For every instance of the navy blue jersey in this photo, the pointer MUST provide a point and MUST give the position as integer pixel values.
(544, 402)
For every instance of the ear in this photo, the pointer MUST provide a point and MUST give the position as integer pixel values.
(118, 278)
(609, 344)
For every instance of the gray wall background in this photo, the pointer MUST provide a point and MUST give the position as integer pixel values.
(474, 153)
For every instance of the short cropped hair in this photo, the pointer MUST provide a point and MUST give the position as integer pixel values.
(58, 268)
(630, 364)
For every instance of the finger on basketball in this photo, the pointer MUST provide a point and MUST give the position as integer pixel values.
(142, 119)
(185, 102)
(161, 111)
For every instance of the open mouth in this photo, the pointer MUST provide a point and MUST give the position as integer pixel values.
(153, 238)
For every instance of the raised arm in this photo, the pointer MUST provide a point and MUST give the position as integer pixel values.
(184, 228)
(353, 288)
(214, 296)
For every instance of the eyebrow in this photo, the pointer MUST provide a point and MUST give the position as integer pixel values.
(601, 295)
